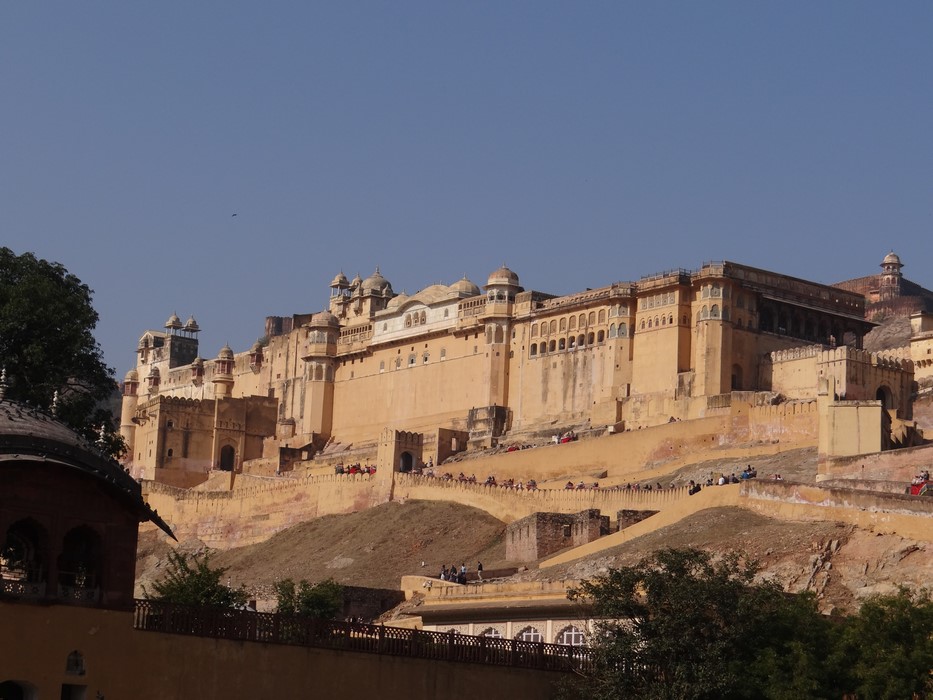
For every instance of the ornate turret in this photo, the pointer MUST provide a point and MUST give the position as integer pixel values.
(223, 373)
(891, 276)
(173, 324)
(502, 285)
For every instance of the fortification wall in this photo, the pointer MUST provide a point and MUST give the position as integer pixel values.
(251, 514)
(891, 465)
(509, 505)
(906, 516)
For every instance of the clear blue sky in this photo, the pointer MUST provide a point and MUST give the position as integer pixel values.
(581, 143)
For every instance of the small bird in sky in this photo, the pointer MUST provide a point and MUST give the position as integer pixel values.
(233, 215)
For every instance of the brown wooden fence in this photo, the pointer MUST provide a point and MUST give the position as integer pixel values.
(244, 625)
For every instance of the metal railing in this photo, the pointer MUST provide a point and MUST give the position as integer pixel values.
(270, 628)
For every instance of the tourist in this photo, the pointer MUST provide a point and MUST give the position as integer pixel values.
(479, 570)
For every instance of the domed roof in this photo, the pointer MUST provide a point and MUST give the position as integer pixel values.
(226, 353)
(357, 281)
(324, 318)
(198, 362)
(154, 372)
(173, 322)
(502, 276)
(397, 301)
(29, 436)
(191, 325)
(465, 287)
(376, 282)
(256, 347)
(340, 280)
(131, 376)
(891, 259)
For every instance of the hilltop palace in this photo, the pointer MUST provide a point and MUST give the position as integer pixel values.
(399, 380)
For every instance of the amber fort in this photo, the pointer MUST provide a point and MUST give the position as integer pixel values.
(402, 381)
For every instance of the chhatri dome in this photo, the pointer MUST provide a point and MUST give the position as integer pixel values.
(502, 276)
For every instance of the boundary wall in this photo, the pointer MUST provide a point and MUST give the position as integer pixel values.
(259, 506)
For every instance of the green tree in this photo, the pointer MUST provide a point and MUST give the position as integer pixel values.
(887, 648)
(47, 345)
(190, 580)
(681, 625)
(322, 600)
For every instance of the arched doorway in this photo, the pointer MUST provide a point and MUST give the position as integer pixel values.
(736, 378)
(406, 462)
(227, 458)
(17, 690)
(885, 397)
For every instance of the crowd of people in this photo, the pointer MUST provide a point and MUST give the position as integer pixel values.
(355, 469)
(455, 575)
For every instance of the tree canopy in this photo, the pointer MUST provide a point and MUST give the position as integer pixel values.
(191, 580)
(47, 344)
(322, 600)
(681, 624)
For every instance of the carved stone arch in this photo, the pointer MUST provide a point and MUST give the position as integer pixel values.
(80, 563)
(571, 635)
(493, 632)
(529, 633)
(25, 553)
(572, 326)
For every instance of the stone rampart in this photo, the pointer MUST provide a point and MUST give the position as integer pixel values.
(252, 514)
(509, 505)
(890, 465)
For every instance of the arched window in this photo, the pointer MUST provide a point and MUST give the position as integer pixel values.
(571, 636)
(24, 558)
(542, 348)
(590, 337)
(553, 327)
(714, 311)
(318, 372)
(591, 319)
(382, 367)
(664, 320)
(412, 360)
(581, 340)
(491, 632)
(612, 330)
(424, 358)
(571, 343)
(563, 325)
(582, 320)
(716, 291)
(573, 323)
(552, 346)
(562, 344)
(533, 350)
(649, 323)
(623, 330)
(79, 564)
(529, 634)
(534, 330)
(424, 317)
(704, 313)
(407, 320)
(602, 315)
(643, 324)
(705, 292)
(670, 319)
(600, 336)
(500, 334)
(74, 665)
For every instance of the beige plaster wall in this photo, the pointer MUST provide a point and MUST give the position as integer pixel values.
(124, 663)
